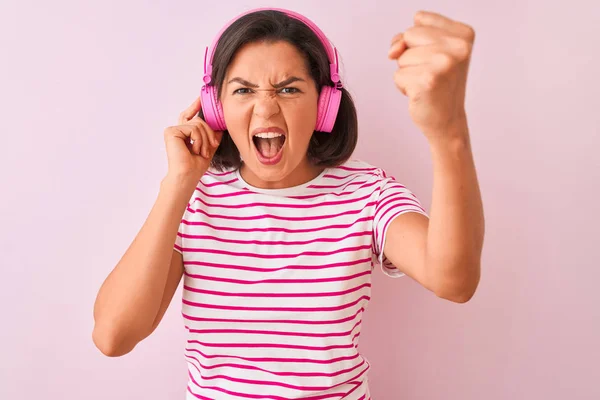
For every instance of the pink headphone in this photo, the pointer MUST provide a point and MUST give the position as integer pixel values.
(329, 98)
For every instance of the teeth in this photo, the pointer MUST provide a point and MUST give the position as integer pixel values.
(268, 135)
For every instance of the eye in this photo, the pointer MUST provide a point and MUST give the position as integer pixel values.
(242, 91)
(289, 90)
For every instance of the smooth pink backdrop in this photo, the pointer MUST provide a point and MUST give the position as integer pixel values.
(87, 89)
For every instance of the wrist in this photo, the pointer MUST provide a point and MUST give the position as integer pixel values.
(455, 137)
(179, 183)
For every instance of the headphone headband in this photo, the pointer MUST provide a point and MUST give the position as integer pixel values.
(329, 48)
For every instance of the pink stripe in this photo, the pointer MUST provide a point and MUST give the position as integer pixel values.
(283, 205)
(358, 384)
(232, 194)
(272, 383)
(276, 333)
(273, 345)
(391, 185)
(218, 183)
(385, 227)
(263, 383)
(396, 209)
(275, 309)
(303, 197)
(277, 256)
(276, 359)
(247, 282)
(361, 373)
(274, 295)
(344, 185)
(332, 176)
(346, 168)
(409, 200)
(220, 174)
(322, 228)
(273, 321)
(282, 218)
(259, 269)
(342, 194)
(274, 243)
(189, 389)
(257, 396)
(251, 367)
(267, 321)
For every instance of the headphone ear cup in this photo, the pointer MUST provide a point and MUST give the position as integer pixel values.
(220, 116)
(212, 109)
(327, 109)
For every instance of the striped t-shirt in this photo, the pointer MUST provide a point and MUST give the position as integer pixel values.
(276, 282)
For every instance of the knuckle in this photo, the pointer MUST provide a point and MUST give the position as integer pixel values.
(168, 131)
(444, 61)
(429, 80)
(409, 34)
(195, 122)
(469, 33)
(195, 129)
(462, 49)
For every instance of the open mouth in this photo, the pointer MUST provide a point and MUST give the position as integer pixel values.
(269, 146)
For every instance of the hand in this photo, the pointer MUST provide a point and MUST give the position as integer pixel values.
(433, 61)
(190, 145)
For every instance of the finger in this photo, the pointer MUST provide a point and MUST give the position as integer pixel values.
(207, 134)
(190, 136)
(407, 79)
(430, 18)
(190, 112)
(396, 37)
(206, 150)
(204, 144)
(455, 28)
(424, 36)
(195, 137)
(198, 139)
(398, 46)
(214, 136)
(417, 56)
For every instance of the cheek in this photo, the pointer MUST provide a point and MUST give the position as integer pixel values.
(303, 119)
(237, 121)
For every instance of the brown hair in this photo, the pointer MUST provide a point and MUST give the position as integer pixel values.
(324, 149)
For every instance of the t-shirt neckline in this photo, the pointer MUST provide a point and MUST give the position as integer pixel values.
(290, 191)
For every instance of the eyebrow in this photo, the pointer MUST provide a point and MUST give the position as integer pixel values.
(276, 85)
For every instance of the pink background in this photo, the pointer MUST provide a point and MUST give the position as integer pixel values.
(87, 89)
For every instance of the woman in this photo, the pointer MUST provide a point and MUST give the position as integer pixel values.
(276, 229)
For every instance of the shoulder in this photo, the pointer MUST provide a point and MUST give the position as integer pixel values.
(214, 184)
(214, 175)
(360, 168)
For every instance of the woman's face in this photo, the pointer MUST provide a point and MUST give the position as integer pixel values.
(268, 91)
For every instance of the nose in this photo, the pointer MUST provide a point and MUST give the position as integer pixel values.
(266, 105)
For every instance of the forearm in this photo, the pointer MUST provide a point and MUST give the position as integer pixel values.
(456, 226)
(129, 299)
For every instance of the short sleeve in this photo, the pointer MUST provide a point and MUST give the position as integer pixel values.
(179, 239)
(394, 200)
(178, 246)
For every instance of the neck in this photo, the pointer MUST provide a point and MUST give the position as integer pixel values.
(303, 173)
